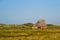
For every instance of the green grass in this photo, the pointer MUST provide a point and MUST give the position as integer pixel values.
(24, 32)
(30, 34)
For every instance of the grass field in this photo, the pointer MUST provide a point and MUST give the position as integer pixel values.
(24, 32)
(30, 34)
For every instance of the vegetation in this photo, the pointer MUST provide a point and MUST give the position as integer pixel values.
(25, 32)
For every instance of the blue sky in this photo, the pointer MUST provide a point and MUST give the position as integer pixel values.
(22, 11)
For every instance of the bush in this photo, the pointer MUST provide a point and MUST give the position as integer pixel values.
(50, 25)
(28, 24)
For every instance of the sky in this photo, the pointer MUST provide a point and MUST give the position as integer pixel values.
(24, 11)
